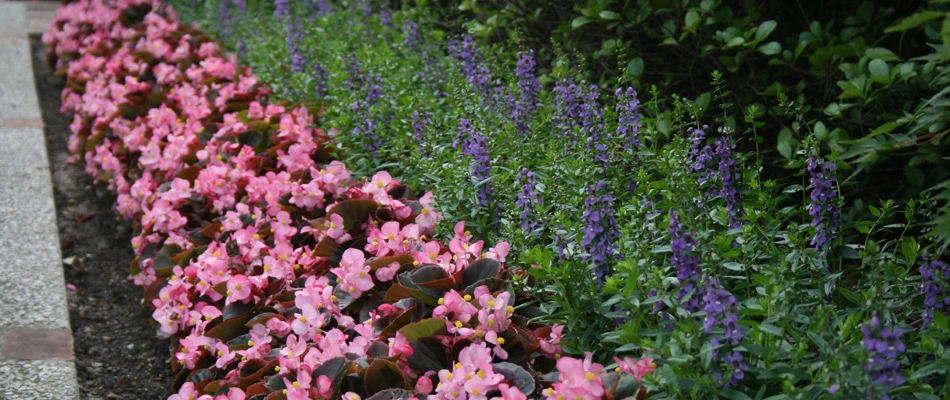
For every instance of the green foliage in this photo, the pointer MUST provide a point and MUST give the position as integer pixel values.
(783, 89)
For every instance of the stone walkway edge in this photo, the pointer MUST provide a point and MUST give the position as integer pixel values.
(36, 345)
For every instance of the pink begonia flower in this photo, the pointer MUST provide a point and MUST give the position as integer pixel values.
(432, 254)
(259, 343)
(386, 274)
(255, 111)
(399, 346)
(499, 252)
(454, 304)
(299, 389)
(324, 387)
(477, 355)
(378, 186)
(239, 288)
(188, 354)
(577, 379)
(278, 327)
(336, 231)
(637, 368)
(351, 396)
(232, 221)
(233, 394)
(224, 356)
(423, 385)
(292, 352)
(333, 343)
(460, 232)
(185, 392)
(510, 393)
(428, 216)
(309, 320)
(353, 275)
(400, 210)
(549, 346)
(493, 338)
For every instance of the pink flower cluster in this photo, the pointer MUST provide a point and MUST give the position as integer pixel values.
(260, 256)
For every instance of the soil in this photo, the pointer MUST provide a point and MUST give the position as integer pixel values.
(118, 355)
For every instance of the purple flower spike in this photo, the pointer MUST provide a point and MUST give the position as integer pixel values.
(475, 146)
(600, 231)
(419, 124)
(884, 351)
(936, 287)
(527, 198)
(687, 265)
(522, 108)
(476, 73)
(281, 8)
(826, 216)
(628, 126)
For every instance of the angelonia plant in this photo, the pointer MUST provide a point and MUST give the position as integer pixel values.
(643, 246)
(273, 270)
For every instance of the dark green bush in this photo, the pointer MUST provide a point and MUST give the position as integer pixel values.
(868, 78)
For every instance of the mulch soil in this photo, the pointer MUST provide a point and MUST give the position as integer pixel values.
(118, 355)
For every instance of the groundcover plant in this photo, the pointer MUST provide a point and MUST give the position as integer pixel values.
(276, 273)
(622, 228)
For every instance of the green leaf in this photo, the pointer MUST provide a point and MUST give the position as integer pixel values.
(428, 355)
(771, 329)
(855, 298)
(939, 366)
(786, 143)
(733, 266)
(736, 41)
(881, 53)
(422, 329)
(847, 252)
(334, 369)
(607, 14)
(377, 263)
(770, 48)
(945, 37)
(913, 21)
(381, 375)
(635, 67)
(734, 394)
(519, 377)
(482, 269)
(230, 329)
(579, 22)
(163, 263)
(626, 387)
(878, 68)
(353, 211)
(764, 30)
(392, 394)
(691, 20)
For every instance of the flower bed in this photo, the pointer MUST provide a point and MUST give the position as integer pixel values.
(276, 273)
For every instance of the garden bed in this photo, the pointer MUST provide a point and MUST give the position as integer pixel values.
(117, 353)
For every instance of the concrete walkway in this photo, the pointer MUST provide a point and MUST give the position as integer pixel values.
(36, 350)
